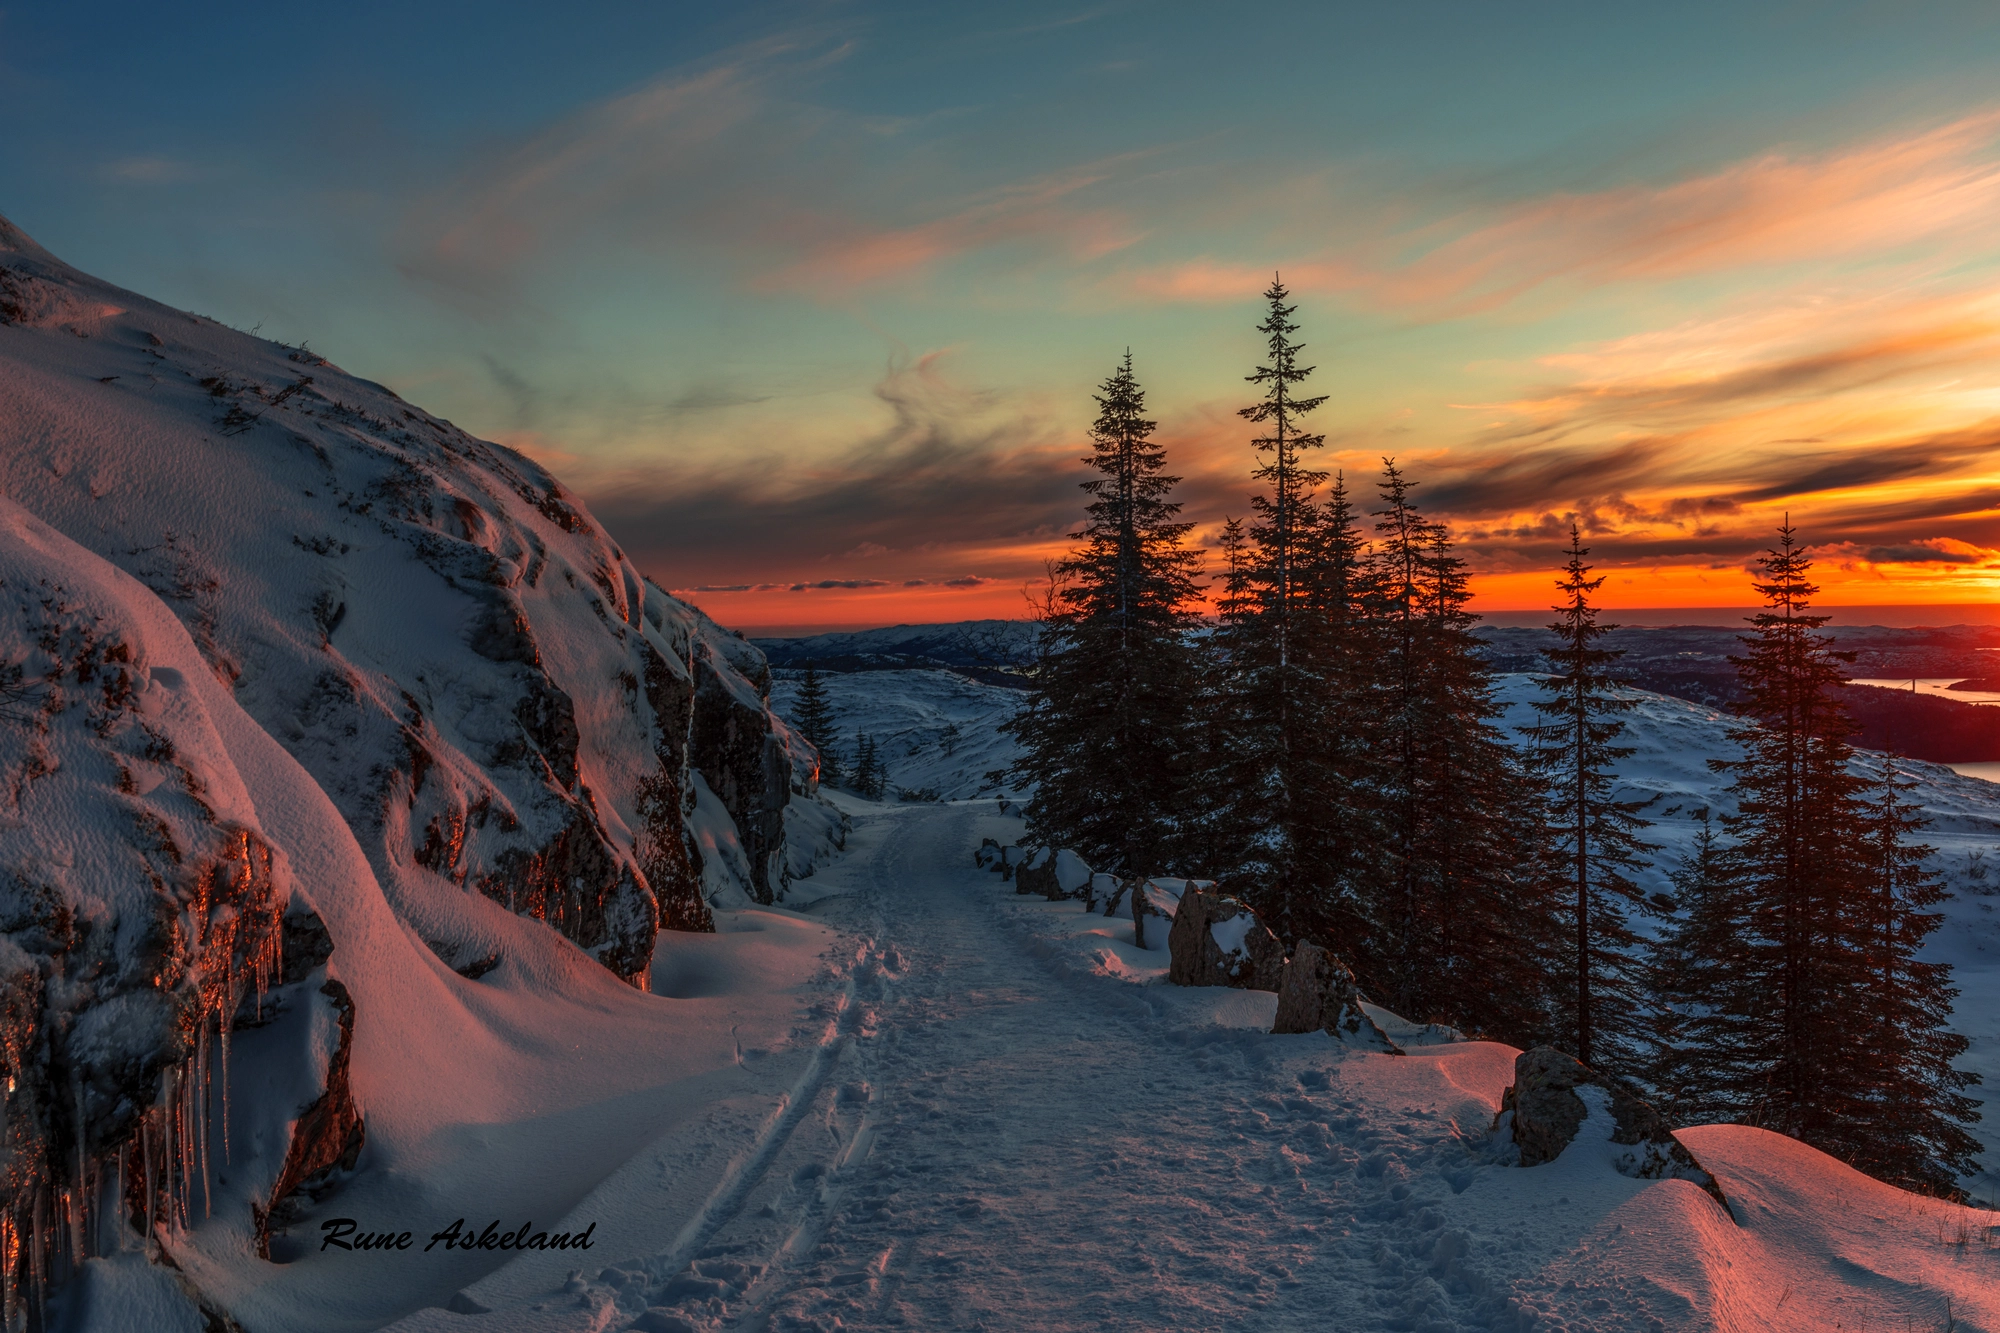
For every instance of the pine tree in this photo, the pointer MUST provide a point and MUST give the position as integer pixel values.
(1106, 727)
(812, 715)
(1798, 829)
(1914, 1135)
(1574, 748)
(869, 779)
(1461, 915)
(1280, 787)
(1807, 1011)
(1697, 977)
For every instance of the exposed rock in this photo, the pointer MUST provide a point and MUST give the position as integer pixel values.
(1547, 1108)
(1072, 876)
(988, 855)
(1037, 874)
(738, 752)
(663, 842)
(1158, 897)
(1316, 994)
(328, 1136)
(473, 672)
(140, 900)
(1218, 941)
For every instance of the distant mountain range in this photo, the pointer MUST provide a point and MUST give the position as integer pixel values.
(1685, 661)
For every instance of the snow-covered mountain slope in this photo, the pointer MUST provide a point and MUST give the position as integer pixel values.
(936, 731)
(465, 749)
(486, 687)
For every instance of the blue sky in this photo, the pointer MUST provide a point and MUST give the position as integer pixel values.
(816, 294)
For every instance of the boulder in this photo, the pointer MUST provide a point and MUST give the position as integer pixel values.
(988, 855)
(1010, 860)
(1555, 1094)
(1037, 874)
(1317, 994)
(1218, 941)
(1072, 875)
(1057, 876)
(1105, 889)
(1152, 898)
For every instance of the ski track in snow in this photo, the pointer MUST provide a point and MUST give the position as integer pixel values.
(994, 1134)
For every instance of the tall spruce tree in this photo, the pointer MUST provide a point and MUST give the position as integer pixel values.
(1209, 837)
(1697, 982)
(1462, 916)
(1278, 778)
(1107, 724)
(869, 778)
(1574, 747)
(812, 714)
(1809, 1013)
(1914, 1135)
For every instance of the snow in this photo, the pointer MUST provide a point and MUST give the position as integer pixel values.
(936, 731)
(998, 1130)
(1072, 875)
(1229, 935)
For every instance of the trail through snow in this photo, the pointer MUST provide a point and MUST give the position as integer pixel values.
(999, 1130)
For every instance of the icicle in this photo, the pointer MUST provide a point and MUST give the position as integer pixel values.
(202, 1100)
(37, 1261)
(152, 1179)
(224, 1039)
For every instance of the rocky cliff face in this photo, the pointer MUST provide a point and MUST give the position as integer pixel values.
(499, 704)
(508, 718)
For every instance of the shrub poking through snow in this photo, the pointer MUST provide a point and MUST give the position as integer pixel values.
(1557, 1099)
(1218, 941)
(1317, 994)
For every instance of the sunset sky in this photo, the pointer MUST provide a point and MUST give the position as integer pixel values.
(808, 301)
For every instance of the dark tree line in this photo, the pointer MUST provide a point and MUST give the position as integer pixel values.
(1326, 746)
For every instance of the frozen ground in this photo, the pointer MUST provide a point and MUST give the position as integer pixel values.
(997, 1119)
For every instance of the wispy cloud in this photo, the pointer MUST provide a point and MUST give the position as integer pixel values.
(1777, 209)
(732, 161)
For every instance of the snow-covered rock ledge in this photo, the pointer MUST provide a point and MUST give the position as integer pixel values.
(283, 649)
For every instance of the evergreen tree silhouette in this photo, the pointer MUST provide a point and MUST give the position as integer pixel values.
(1574, 747)
(1276, 677)
(813, 716)
(1462, 917)
(1107, 724)
(1806, 1010)
(1913, 1134)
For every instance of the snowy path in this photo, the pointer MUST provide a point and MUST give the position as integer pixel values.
(994, 1131)
(1004, 1146)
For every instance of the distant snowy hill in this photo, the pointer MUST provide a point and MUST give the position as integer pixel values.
(936, 731)
(989, 650)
